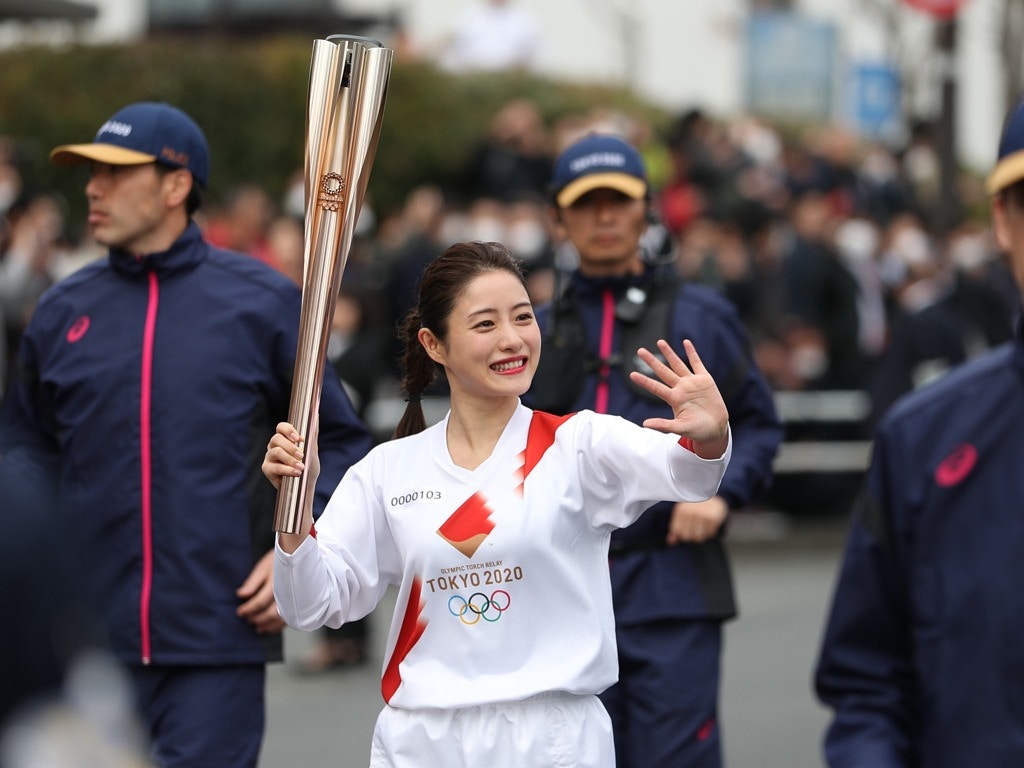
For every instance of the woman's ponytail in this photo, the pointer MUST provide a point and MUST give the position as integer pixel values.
(419, 374)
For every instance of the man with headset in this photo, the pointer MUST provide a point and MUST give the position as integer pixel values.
(671, 580)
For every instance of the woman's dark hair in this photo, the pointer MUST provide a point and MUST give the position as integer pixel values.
(442, 283)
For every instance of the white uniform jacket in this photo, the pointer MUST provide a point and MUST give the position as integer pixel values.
(502, 572)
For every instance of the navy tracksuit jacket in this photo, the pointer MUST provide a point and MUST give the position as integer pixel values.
(158, 382)
(923, 655)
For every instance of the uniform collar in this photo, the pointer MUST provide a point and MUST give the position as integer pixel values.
(615, 283)
(182, 254)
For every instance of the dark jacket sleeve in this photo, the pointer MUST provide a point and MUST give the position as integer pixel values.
(865, 670)
(343, 438)
(26, 417)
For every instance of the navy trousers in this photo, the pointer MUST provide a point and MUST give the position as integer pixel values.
(200, 717)
(664, 709)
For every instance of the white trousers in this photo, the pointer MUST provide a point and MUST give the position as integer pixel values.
(551, 730)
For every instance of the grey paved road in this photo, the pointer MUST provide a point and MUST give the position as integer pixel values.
(770, 719)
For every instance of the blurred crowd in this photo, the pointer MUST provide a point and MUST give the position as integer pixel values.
(827, 245)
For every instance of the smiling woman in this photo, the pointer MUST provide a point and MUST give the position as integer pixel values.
(487, 347)
(497, 310)
(494, 526)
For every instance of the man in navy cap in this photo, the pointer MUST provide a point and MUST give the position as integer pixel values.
(921, 658)
(153, 377)
(671, 582)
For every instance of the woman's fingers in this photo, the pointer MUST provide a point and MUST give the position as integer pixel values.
(657, 365)
(673, 367)
(696, 364)
(672, 358)
(284, 454)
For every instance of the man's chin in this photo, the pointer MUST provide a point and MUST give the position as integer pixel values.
(608, 264)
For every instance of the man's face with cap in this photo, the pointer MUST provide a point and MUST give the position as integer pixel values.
(1006, 185)
(1008, 227)
(139, 208)
(605, 226)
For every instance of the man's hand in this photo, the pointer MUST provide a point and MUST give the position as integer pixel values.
(695, 522)
(257, 595)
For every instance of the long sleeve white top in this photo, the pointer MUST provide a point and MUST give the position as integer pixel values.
(502, 571)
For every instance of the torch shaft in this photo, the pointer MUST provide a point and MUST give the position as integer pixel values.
(347, 89)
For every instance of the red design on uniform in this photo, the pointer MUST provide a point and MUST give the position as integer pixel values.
(468, 525)
(77, 329)
(540, 438)
(705, 731)
(957, 465)
(412, 628)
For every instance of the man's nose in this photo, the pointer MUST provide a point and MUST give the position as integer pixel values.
(94, 185)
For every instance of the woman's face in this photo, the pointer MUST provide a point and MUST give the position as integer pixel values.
(493, 342)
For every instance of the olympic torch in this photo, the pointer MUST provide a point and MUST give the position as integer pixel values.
(348, 79)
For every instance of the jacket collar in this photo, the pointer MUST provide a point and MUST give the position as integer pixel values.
(617, 284)
(183, 254)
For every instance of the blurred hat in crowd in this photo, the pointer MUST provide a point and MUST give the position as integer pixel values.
(598, 161)
(144, 132)
(1010, 162)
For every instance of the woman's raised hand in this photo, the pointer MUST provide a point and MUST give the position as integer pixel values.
(699, 412)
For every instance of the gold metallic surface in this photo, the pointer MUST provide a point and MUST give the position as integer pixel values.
(348, 80)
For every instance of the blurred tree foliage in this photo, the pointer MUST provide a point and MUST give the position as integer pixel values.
(250, 98)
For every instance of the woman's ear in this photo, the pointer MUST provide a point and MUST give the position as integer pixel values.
(431, 345)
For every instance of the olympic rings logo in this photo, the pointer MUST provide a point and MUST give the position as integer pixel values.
(479, 606)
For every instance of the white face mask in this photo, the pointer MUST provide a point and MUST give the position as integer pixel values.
(8, 193)
(970, 252)
(295, 200)
(857, 241)
(526, 239)
(913, 247)
(809, 361)
(486, 228)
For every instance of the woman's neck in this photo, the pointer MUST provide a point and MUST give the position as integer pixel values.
(474, 428)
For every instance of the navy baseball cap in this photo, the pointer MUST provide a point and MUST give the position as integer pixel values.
(1010, 162)
(141, 133)
(598, 161)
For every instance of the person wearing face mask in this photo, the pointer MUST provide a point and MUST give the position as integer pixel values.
(938, 320)
(671, 581)
(30, 262)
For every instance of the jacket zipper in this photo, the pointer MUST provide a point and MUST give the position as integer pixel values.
(145, 451)
(605, 352)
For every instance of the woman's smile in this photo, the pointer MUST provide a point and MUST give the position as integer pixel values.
(510, 366)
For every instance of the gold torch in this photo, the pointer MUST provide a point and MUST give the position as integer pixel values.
(348, 79)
